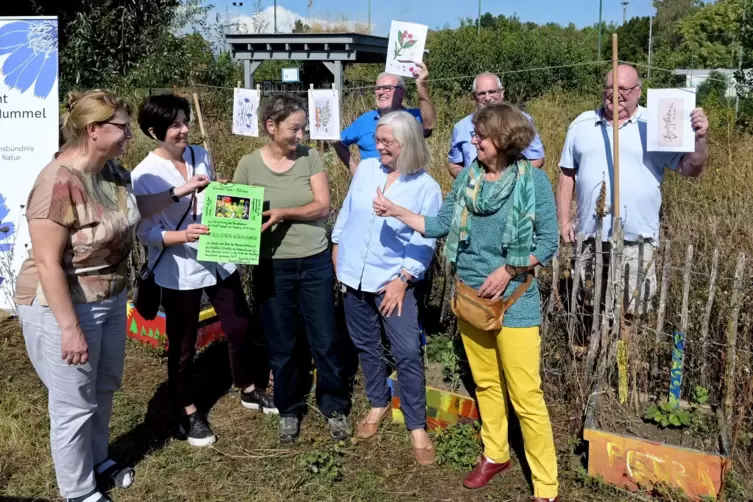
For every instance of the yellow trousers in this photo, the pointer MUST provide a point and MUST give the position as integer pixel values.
(507, 363)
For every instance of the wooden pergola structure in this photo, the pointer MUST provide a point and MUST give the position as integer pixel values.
(332, 49)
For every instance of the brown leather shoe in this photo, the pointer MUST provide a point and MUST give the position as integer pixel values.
(425, 455)
(542, 499)
(483, 473)
(367, 429)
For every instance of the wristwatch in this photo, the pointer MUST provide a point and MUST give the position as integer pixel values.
(172, 194)
(403, 278)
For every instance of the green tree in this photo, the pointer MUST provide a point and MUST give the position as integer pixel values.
(632, 40)
(710, 36)
(666, 23)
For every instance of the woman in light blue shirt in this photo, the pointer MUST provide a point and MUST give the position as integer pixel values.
(378, 260)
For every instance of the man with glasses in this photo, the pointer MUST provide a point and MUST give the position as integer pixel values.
(487, 89)
(586, 163)
(388, 92)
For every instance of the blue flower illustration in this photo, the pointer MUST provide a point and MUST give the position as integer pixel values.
(32, 49)
(7, 228)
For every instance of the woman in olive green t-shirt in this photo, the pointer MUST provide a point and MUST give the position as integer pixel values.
(295, 271)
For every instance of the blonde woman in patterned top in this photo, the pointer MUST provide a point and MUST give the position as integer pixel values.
(71, 291)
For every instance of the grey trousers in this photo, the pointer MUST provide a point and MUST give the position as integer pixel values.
(79, 397)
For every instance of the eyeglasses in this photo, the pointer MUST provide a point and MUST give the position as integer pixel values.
(122, 127)
(385, 143)
(608, 91)
(480, 137)
(386, 88)
(495, 93)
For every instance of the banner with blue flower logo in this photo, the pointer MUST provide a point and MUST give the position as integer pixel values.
(29, 130)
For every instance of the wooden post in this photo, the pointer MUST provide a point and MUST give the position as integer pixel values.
(662, 309)
(707, 318)
(640, 275)
(553, 292)
(574, 292)
(729, 367)
(686, 289)
(593, 345)
(619, 334)
(616, 134)
(200, 117)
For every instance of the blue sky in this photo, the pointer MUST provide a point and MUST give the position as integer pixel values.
(436, 13)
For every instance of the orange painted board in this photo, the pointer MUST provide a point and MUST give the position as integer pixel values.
(638, 464)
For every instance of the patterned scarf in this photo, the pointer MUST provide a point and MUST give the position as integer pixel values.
(480, 197)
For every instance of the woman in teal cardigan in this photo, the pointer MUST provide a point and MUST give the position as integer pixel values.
(500, 222)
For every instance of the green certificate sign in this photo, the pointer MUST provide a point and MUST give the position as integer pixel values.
(233, 214)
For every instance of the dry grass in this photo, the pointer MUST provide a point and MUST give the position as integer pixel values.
(246, 463)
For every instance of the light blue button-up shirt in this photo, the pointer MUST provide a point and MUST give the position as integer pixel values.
(361, 132)
(463, 152)
(373, 250)
(588, 151)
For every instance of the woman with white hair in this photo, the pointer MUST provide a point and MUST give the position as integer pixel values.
(378, 262)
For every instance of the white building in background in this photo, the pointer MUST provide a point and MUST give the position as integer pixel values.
(694, 78)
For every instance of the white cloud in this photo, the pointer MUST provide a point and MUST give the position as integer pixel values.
(285, 21)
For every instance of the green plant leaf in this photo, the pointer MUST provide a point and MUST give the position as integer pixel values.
(675, 420)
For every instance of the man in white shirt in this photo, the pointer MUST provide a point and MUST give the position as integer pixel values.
(487, 89)
(586, 164)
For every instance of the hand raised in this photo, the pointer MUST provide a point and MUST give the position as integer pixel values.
(383, 206)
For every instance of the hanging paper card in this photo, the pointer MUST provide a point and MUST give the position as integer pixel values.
(324, 114)
(669, 128)
(246, 112)
(233, 214)
(405, 47)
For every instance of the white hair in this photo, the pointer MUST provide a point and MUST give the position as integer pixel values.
(487, 74)
(398, 78)
(414, 153)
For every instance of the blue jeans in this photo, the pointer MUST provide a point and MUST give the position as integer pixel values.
(282, 287)
(365, 325)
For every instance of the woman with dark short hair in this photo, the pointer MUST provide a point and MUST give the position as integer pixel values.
(295, 271)
(183, 278)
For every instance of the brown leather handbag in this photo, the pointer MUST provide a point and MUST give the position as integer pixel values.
(483, 313)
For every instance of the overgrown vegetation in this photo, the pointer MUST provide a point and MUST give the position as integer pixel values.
(458, 446)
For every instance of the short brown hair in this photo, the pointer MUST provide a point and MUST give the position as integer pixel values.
(87, 108)
(506, 127)
(279, 107)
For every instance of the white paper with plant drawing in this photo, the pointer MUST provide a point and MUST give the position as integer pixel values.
(405, 47)
(324, 114)
(669, 128)
(246, 112)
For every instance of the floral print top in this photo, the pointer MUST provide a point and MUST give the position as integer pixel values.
(101, 214)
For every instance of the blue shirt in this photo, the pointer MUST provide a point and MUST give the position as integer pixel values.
(463, 152)
(373, 250)
(588, 151)
(361, 132)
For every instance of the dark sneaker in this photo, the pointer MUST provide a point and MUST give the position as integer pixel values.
(198, 431)
(290, 428)
(259, 400)
(339, 427)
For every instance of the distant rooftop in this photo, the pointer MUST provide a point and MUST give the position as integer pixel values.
(345, 47)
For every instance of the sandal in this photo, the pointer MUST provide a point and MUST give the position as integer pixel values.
(368, 429)
(115, 475)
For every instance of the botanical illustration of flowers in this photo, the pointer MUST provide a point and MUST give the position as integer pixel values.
(404, 41)
(323, 114)
(31, 48)
(245, 114)
(670, 129)
(7, 229)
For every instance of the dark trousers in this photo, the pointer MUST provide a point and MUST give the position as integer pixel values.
(365, 325)
(182, 313)
(282, 287)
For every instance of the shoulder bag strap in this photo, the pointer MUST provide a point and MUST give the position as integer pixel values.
(183, 218)
(522, 288)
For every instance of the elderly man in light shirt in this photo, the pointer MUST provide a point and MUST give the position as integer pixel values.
(586, 162)
(487, 89)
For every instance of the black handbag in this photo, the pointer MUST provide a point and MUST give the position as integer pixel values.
(147, 296)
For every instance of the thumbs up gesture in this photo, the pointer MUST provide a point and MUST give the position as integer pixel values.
(383, 206)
